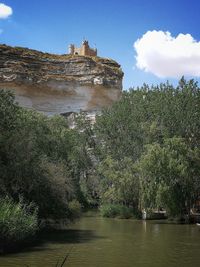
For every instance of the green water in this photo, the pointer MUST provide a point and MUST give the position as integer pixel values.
(100, 242)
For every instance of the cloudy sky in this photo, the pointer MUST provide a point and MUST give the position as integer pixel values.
(153, 40)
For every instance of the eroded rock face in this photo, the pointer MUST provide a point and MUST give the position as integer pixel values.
(56, 84)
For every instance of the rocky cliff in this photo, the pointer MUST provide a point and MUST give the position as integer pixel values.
(59, 83)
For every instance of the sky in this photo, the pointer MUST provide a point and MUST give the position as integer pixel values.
(153, 40)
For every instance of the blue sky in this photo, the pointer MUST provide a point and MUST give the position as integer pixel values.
(113, 25)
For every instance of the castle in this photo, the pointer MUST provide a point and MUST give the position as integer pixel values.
(84, 50)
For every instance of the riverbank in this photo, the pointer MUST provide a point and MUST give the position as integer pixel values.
(54, 229)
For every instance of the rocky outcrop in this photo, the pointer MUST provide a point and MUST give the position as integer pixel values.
(56, 84)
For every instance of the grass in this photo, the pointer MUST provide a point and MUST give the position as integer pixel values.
(18, 221)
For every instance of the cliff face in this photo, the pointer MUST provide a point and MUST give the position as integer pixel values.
(56, 84)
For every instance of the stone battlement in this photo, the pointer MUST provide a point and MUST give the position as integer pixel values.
(84, 50)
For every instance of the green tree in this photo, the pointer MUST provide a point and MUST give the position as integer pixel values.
(169, 176)
(119, 182)
(148, 116)
(36, 158)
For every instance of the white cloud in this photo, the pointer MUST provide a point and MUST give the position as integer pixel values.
(163, 55)
(5, 11)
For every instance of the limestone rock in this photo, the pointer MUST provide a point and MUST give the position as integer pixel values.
(56, 84)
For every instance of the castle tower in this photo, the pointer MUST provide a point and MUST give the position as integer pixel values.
(71, 49)
(85, 47)
(84, 50)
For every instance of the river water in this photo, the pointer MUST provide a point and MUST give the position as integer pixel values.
(102, 242)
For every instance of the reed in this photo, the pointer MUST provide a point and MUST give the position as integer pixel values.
(18, 221)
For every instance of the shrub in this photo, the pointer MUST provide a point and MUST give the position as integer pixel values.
(38, 159)
(18, 221)
(113, 210)
(74, 209)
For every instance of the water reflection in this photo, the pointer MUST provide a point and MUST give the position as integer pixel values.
(156, 229)
(99, 242)
(69, 236)
(144, 224)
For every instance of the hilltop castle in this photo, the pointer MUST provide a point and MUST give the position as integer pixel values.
(84, 50)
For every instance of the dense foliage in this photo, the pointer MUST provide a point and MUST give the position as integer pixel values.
(41, 159)
(116, 210)
(169, 176)
(147, 148)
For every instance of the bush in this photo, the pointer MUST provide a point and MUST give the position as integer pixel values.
(74, 209)
(119, 211)
(18, 221)
(36, 158)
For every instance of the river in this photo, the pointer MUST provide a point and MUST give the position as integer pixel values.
(101, 242)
